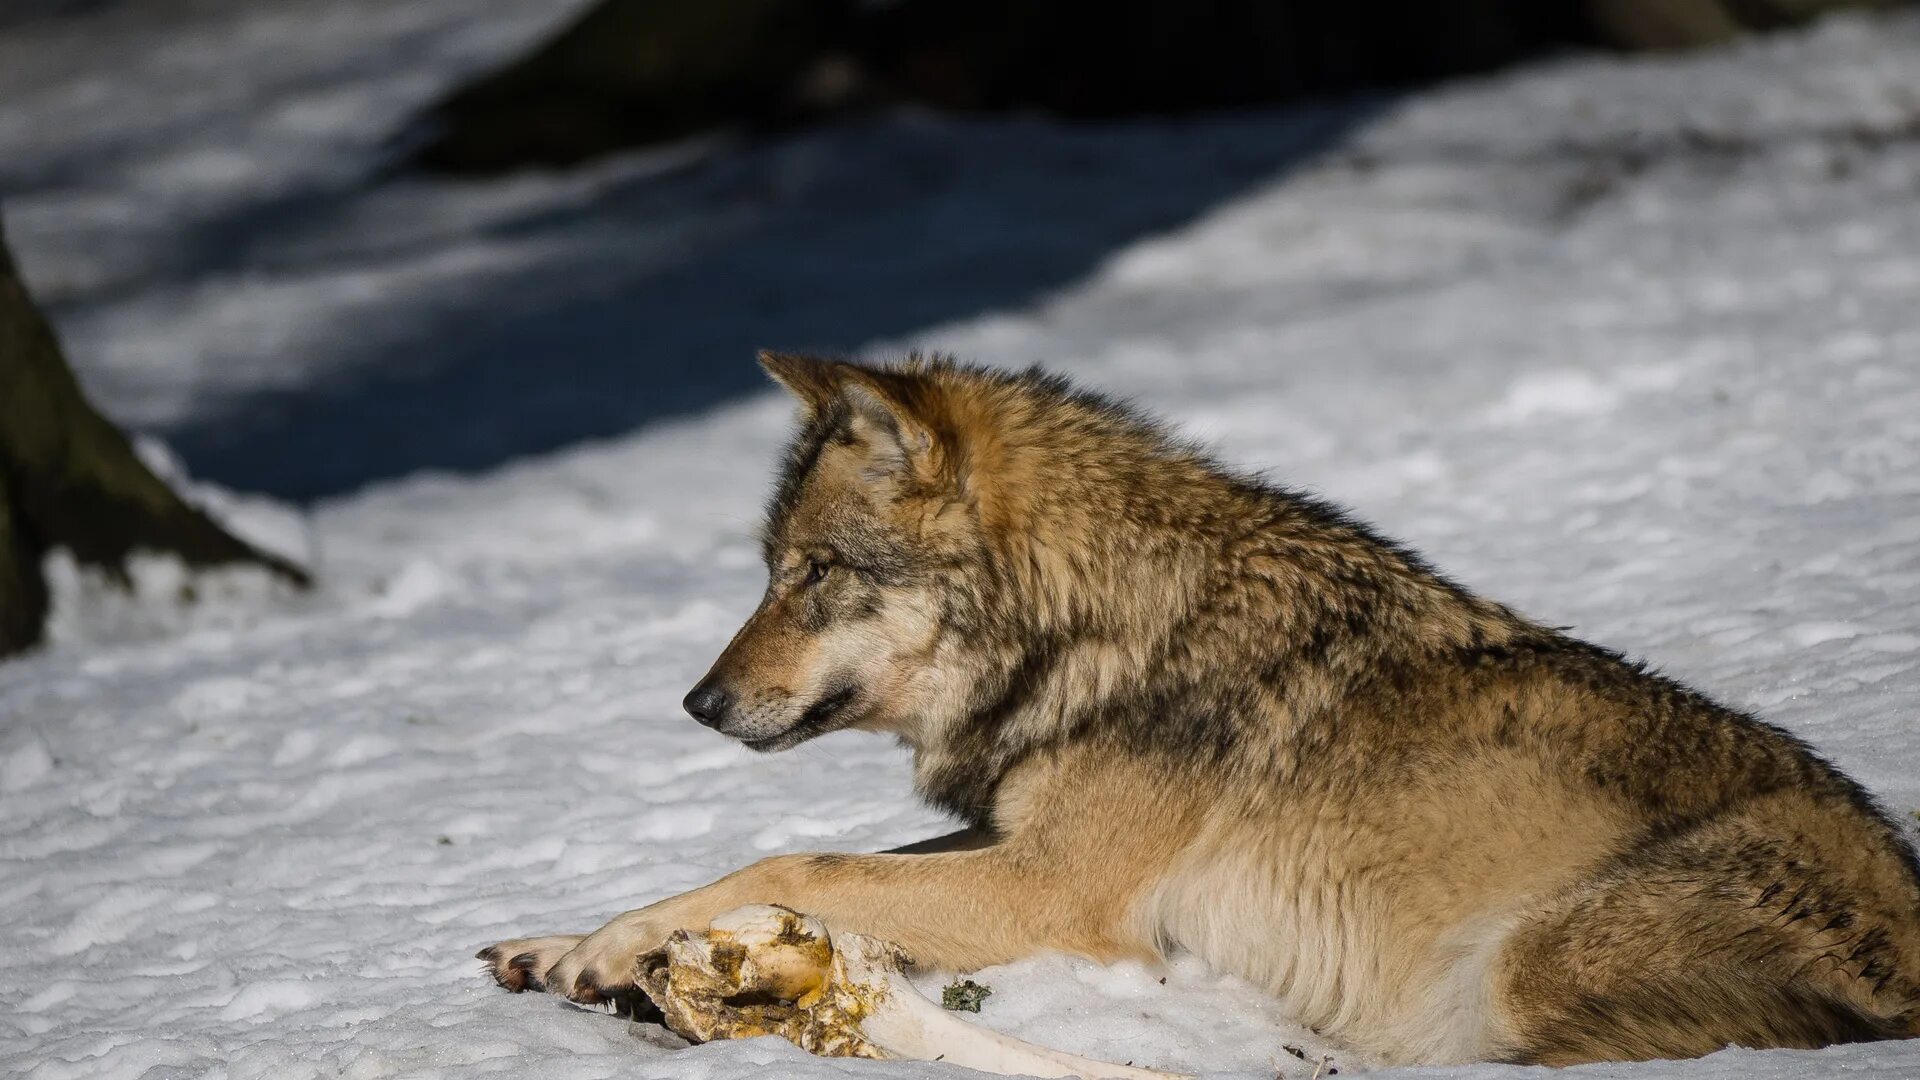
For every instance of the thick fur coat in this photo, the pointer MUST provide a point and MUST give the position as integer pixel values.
(1182, 708)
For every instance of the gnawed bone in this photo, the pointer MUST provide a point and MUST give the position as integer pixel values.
(761, 970)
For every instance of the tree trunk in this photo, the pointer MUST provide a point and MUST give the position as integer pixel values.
(23, 595)
(69, 478)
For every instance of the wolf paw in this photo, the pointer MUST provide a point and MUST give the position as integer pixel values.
(603, 969)
(522, 964)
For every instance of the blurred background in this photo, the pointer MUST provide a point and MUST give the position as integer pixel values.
(814, 173)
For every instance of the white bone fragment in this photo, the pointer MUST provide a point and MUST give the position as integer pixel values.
(762, 970)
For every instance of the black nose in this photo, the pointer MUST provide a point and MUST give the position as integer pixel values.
(707, 704)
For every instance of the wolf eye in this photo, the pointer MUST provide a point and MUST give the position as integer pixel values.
(816, 572)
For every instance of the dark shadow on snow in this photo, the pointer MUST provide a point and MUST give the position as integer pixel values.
(648, 300)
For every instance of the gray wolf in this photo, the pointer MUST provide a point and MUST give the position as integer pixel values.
(1178, 707)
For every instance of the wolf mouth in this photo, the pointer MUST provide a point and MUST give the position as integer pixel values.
(819, 719)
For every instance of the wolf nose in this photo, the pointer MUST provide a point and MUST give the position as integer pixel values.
(707, 704)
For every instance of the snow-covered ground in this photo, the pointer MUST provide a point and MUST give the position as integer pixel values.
(1631, 344)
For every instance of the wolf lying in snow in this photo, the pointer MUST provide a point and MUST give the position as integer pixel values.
(1180, 707)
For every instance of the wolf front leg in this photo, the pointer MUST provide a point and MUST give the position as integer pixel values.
(522, 964)
(952, 911)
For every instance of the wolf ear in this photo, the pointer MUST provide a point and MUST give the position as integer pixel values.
(884, 416)
(885, 412)
(815, 382)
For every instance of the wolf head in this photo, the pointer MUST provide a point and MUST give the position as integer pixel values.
(868, 527)
(966, 558)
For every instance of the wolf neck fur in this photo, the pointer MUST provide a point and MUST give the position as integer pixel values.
(1109, 584)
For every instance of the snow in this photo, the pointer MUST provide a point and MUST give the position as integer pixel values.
(1628, 343)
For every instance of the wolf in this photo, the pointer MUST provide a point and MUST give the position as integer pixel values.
(1181, 708)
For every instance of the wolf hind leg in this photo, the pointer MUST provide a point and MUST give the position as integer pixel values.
(1724, 934)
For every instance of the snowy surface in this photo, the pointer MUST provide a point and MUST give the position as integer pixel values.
(1631, 344)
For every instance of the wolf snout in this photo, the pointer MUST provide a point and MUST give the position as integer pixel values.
(709, 704)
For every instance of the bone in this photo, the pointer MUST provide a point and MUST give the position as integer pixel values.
(763, 970)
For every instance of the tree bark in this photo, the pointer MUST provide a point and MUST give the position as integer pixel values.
(69, 478)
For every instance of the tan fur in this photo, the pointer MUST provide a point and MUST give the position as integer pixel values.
(1189, 710)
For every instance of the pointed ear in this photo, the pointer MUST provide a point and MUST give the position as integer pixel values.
(815, 382)
(890, 413)
(886, 412)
